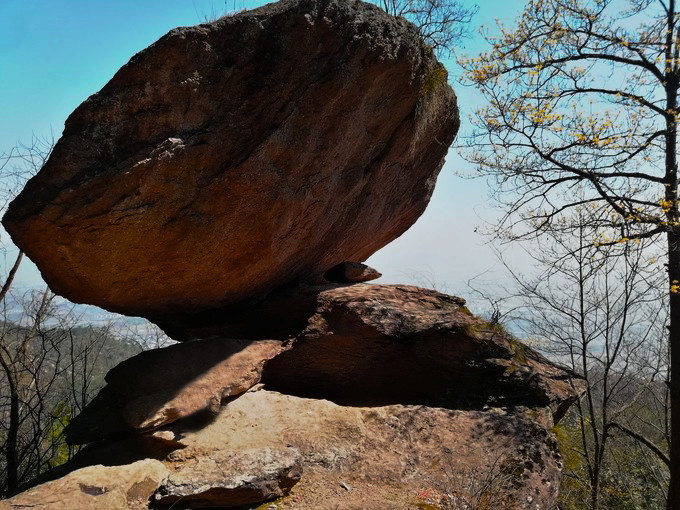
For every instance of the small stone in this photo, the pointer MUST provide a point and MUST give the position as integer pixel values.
(351, 272)
(166, 435)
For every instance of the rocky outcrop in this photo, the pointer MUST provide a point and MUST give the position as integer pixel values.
(232, 158)
(103, 488)
(392, 396)
(228, 478)
(354, 458)
(366, 345)
(164, 385)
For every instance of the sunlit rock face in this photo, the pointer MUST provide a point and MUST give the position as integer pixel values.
(232, 158)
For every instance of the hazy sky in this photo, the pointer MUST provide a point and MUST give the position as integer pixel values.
(55, 53)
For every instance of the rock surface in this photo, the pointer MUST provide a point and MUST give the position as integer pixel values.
(368, 345)
(230, 478)
(103, 488)
(390, 457)
(160, 386)
(351, 272)
(231, 158)
(385, 344)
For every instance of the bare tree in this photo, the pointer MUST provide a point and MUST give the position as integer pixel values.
(479, 489)
(51, 363)
(598, 309)
(583, 94)
(50, 368)
(442, 23)
(228, 8)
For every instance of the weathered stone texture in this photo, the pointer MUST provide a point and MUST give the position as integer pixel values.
(103, 488)
(164, 385)
(231, 158)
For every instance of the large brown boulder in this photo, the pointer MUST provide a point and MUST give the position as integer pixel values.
(231, 158)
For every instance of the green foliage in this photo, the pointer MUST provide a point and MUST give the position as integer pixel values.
(435, 78)
(574, 492)
(466, 311)
(425, 506)
(61, 416)
(496, 327)
(519, 350)
(630, 478)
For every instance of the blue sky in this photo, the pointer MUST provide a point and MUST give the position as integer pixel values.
(55, 53)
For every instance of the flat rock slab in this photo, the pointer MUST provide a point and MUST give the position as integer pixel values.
(100, 487)
(391, 457)
(353, 458)
(231, 158)
(161, 386)
(231, 478)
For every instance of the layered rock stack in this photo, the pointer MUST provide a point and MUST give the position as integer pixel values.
(226, 184)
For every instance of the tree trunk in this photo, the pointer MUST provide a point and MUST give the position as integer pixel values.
(11, 445)
(594, 492)
(671, 85)
(674, 346)
(11, 454)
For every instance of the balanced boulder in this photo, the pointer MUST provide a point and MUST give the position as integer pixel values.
(234, 157)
